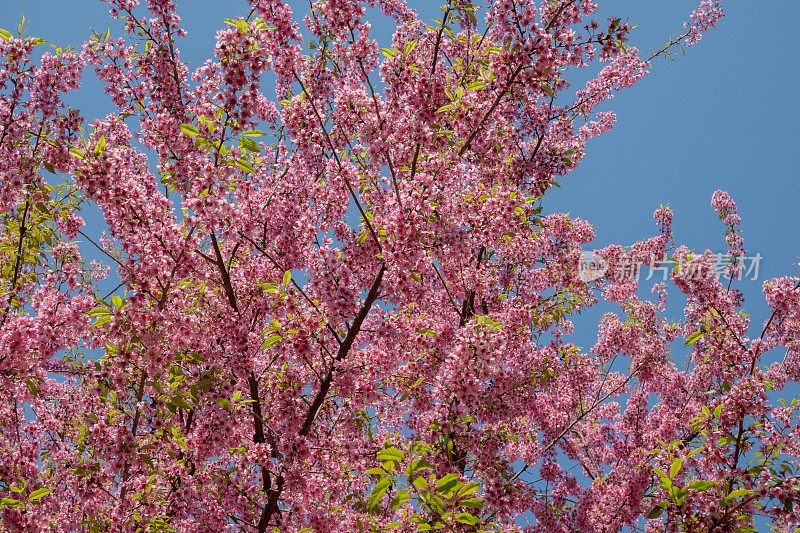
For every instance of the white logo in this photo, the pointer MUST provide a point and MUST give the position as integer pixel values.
(592, 266)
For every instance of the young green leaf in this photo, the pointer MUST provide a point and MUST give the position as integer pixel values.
(736, 494)
(657, 511)
(249, 144)
(390, 53)
(271, 341)
(390, 454)
(38, 494)
(190, 130)
(244, 165)
(701, 485)
(471, 502)
(377, 493)
(675, 467)
(102, 320)
(100, 147)
(694, 337)
(466, 518)
(447, 482)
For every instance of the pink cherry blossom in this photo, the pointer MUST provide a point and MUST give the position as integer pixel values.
(330, 295)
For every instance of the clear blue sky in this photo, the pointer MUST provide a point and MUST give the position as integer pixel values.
(724, 115)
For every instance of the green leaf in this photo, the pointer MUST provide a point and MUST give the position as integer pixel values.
(190, 130)
(244, 165)
(32, 387)
(665, 480)
(675, 467)
(100, 147)
(471, 502)
(5, 35)
(249, 144)
(390, 53)
(736, 494)
(436, 503)
(287, 278)
(657, 511)
(75, 152)
(253, 133)
(375, 472)
(475, 85)
(38, 494)
(447, 482)
(10, 502)
(390, 454)
(178, 401)
(117, 301)
(417, 464)
(239, 24)
(466, 518)
(694, 337)
(468, 489)
(101, 320)
(377, 493)
(271, 341)
(701, 485)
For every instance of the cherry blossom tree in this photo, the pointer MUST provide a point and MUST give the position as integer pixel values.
(342, 303)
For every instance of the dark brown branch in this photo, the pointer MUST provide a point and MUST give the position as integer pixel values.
(274, 494)
(226, 278)
(18, 262)
(344, 349)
